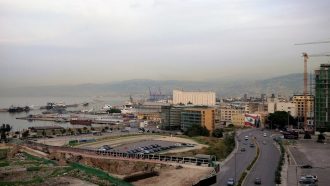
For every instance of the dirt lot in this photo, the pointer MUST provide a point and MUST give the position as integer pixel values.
(176, 177)
(315, 154)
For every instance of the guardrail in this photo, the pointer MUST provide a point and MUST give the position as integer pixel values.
(128, 156)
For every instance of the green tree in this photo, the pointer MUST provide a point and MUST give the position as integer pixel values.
(218, 133)
(43, 133)
(320, 138)
(229, 141)
(197, 130)
(280, 119)
(79, 130)
(63, 131)
(4, 129)
(25, 134)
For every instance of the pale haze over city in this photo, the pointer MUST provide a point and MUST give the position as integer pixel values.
(74, 42)
(164, 92)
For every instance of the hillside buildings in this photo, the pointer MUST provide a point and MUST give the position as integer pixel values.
(322, 96)
(194, 98)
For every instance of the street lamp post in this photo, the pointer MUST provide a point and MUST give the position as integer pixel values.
(288, 119)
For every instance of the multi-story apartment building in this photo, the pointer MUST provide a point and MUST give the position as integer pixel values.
(175, 117)
(171, 117)
(322, 96)
(194, 98)
(282, 106)
(226, 112)
(198, 116)
(299, 101)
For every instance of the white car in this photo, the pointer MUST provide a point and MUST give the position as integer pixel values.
(265, 134)
(308, 177)
(246, 137)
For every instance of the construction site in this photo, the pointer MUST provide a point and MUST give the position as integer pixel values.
(87, 164)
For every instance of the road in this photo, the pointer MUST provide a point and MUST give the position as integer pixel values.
(265, 166)
(243, 159)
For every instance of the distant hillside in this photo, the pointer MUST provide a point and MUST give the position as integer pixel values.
(284, 85)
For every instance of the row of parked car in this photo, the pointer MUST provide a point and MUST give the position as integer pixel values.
(150, 149)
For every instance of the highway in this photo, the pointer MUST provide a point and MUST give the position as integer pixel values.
(243, 159)
(266, 164)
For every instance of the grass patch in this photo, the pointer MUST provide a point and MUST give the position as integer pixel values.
(41, 160)
(34, 181)
(3, 153)
(278, 179)
(99, 173)
(221, 148)
(4, 163)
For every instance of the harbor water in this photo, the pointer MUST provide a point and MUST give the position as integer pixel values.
(18, 124)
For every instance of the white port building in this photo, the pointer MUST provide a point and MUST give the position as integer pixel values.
(195, 98)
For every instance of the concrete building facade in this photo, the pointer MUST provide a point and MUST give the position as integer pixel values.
(299, 101)
(194, 98)
(204, 117)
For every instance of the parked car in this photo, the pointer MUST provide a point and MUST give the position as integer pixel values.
(306, 166)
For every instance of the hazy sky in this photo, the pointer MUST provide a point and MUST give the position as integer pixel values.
(47, 42)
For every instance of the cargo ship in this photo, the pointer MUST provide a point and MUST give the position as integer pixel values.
(80, 121)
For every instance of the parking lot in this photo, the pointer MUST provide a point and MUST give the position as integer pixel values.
(308, 152)
(147, 147)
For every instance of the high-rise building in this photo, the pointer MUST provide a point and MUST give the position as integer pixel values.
(299, 101)
(322, 96)
(194, 98)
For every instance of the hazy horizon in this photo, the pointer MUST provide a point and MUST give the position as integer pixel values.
(76, 42)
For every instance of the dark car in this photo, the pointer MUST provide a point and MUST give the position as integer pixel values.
(242, 149)
(257, 181)
(306, 167)
(252, 145)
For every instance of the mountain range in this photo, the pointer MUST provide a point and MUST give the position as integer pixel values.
(284, 85)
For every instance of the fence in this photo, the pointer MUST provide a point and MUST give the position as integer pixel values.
(128, 156)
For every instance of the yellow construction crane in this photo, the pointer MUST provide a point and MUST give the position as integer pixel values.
(306, 57)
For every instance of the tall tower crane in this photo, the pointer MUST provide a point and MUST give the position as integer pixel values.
(306, 57)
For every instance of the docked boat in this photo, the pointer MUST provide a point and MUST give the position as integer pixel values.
(80, 121)
(13, 109)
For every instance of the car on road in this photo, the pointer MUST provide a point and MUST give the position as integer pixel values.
(246, 137)
(308, 177)
(243, 149)
(306, 166)
(264, 142)
(265, 134)
(257, 181)
(251, 144)
(230, 182)
(307, 181)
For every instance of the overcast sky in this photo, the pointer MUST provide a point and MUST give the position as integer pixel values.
(48, 42)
